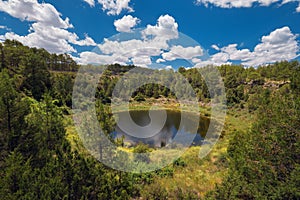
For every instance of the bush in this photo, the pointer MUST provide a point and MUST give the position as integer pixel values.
(188, 195)
(155, 192)
(142, 152)
(139, 98)
(179, 162)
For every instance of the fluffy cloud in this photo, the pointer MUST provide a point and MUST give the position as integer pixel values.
(49, 30)
(244, 3)
(140, 50)
(133, 47)
(142, 61)
(169, 67)
(215, 47)
(59, 41)
(36, 40)
(115, 7)
(236, 3)
(235, 54)
(281, 44)
(5, 28)
(90, 2)
(88, 41)
(112, 7)
(180, 52)
(31, 10)
(2, 38)
(126, 23)
(92, 57)
(210, 62)
(160, 60)
(196, 60)
(165, 29)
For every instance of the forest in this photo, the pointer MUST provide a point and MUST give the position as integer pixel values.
(42, 157)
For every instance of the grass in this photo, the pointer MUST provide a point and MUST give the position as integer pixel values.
(202, 175)
(163, 103)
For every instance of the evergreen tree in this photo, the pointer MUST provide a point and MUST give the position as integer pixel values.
(265, 161)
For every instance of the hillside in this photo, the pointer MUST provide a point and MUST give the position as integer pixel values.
(42, 156)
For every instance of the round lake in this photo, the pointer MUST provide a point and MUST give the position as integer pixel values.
(167, 133)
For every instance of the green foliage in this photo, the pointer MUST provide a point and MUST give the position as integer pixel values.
(43, 166)
(295, 80)
(179, 162)
(12, 109)
(36, 74)
(16, 176)
(264, 161)
(141, 151)
(139, 98)
(62, 87)
(155, 193)
(185, 195)
(279, 71)
(31, 66)
(167, 171)
(105, 118)
(38, 162)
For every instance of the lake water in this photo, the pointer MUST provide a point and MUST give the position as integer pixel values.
(167, 133)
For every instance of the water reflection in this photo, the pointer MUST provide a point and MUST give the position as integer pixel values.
(167, 133)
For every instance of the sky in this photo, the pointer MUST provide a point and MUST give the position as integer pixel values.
(157, 33)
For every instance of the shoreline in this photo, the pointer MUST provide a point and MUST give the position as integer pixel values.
(163, 104)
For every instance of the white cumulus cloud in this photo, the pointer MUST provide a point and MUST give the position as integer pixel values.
(140, 50)
(244, 3)
(2, 38)
(215, 47)
(165, 29)
(94, 58)
(141, 61)
(160, 60)
(196, 60)
(90, 2)
(126, 23)
(115, 7)
(180, 52)
(31, 10)
(133, 47)
(280, 44)
(169, 67)
(48, 31)
(57, 42)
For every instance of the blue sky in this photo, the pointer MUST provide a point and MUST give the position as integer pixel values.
(157, 33)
